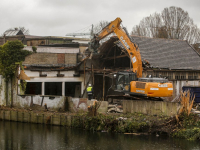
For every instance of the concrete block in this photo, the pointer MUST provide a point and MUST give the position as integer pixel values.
(103, 107)
(20, 116)
(144, 108)
(124, 106)
(56, 120)
(14, 115)
(40, 118)
(63, 120)
(33, 118)
(47, 119)
(132, 106)
(82, 105)
(7, 115)
(69, 121)
(26, 117)
(1, 114)
(150, 107)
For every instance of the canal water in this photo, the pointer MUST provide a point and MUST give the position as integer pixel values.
(24, 136)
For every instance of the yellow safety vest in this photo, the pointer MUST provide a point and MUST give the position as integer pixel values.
(89, 89)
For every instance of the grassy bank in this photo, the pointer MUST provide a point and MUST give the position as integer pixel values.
(186, 126)
(126, 123)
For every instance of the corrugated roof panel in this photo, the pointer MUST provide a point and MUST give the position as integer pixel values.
(11, 32)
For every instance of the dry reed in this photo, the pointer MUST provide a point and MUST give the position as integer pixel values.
(187, 101)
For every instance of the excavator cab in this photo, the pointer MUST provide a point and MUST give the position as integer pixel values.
(128, 83)
(123, 80)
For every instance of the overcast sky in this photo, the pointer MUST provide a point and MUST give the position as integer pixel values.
(58, 17)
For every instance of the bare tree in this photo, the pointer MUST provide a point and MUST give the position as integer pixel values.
(24, 30)
(172, 23)
(98, 27)
(196, 46)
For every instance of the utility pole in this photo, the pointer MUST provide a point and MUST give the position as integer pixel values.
(92, 32)
(4, 38)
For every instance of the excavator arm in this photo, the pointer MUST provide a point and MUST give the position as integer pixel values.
(122, 34)
(150, 87)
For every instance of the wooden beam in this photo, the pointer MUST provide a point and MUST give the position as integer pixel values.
(92, 76)
(103, 83)
(84, 72)
(86, 86)
(116, 57)
(106, 56)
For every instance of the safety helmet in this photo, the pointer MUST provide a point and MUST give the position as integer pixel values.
(89, 84)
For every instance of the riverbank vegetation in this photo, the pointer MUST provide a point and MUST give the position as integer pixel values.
(123, 123)
(184, 125)
(187, 127)
(188, 124)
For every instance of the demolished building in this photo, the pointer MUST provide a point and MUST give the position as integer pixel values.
(173, 59)
(52, 71)
(64, 67)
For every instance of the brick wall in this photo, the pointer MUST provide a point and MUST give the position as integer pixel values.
(50, 59)
(70, 58)
(61, 58)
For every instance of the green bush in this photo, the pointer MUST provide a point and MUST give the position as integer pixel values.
(10, 53)
(190, 134)
(34, 49)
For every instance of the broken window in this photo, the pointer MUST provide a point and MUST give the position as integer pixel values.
(53, 88)
(34, 88)
(156, 74)
(196, 75)
(183, 75)
(177, 76)
(193, 75)
(190, 75)
(180, 75)
(73, 89)
(164, 74)
(170, 75)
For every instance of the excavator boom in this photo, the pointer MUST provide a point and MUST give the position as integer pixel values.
(131, 48)
(136, 85)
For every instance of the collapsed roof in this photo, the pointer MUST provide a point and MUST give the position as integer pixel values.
(161, 53)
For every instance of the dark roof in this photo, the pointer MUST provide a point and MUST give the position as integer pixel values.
(167, 53)
(29, 37)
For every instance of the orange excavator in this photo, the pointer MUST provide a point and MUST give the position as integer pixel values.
(133, 83)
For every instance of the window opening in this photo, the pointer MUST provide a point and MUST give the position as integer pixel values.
(73, 89)
(34, 88)
(53, 88)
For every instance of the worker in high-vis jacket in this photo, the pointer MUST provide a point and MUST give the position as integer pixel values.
(89, 92)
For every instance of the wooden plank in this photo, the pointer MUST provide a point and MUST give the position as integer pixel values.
(115, 57)
(42, 100)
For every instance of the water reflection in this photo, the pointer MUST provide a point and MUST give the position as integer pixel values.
(24, 136)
